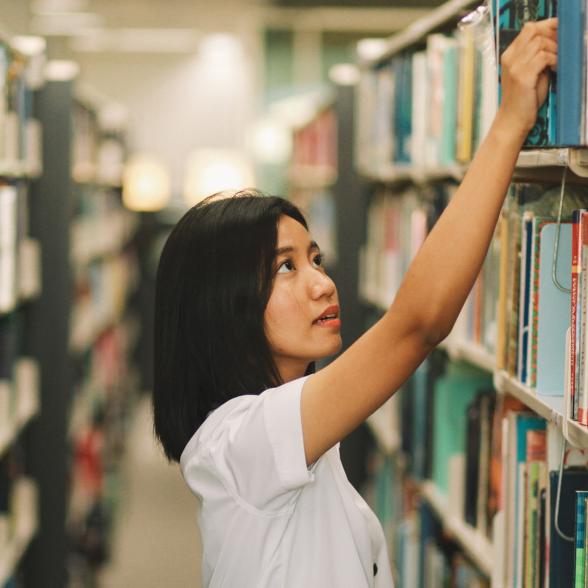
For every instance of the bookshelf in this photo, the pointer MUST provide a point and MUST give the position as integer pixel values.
(84, 333)
(406, 185)
(20, 286)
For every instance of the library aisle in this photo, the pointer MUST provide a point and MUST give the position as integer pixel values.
(155, 542)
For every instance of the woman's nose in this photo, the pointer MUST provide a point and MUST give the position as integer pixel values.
(321, 285)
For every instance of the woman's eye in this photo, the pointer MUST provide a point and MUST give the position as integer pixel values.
(285, 267)
(317, 260)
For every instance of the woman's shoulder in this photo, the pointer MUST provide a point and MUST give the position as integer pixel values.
(227, 412)
(229, 417)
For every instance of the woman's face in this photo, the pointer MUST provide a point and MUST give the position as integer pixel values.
(302, 317)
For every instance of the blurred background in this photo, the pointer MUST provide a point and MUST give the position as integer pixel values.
(115, 117)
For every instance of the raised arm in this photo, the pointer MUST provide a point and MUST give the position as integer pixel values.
(339, 397)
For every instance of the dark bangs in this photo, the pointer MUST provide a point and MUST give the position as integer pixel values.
(213, 284)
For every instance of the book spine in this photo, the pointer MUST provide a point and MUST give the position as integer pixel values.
(581, 400)
(569, 52)
(575, 271)
(580, 537)
(534, 320)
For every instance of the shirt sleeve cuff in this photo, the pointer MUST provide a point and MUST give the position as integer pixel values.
(283, 421)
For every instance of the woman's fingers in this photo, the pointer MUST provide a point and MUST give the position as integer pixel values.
(530, 43)
(540, 61)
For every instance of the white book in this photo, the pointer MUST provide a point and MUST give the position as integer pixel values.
(8, 249)
(419, 108)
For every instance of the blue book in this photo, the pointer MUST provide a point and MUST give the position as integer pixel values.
(553, 312)
(570, 59)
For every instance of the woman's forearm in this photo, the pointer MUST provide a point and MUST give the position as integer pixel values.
(442, 274)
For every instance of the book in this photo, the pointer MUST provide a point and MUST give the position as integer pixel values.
(581, 373)
(510, 16)
(561, 556)
(466, 100)
(574, 297)
(580, 535)
(8, 246)
(570, 58)
(524, 352)
(535, 484)
(553, 306)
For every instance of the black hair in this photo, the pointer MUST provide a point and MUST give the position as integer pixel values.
(213, 284)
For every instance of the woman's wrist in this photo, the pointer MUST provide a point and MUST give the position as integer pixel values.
(509, 129)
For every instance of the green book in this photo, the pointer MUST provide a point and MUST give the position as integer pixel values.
(581, 496)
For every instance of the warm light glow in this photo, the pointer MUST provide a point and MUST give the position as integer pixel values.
(214, 170)
(29, 44)
(344, 74)
(270, 141)
(58, 70)
(368, 49)
(146, 184)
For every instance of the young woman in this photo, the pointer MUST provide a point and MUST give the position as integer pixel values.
(243, 309)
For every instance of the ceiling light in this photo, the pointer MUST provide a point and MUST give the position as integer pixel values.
(344, 74)
(61, 70)
(369, 49)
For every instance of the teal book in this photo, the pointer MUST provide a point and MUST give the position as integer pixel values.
(510, 17)
(553, 307)
(454, 392)
(450, 85)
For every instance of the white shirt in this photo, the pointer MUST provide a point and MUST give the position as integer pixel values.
(266, 519)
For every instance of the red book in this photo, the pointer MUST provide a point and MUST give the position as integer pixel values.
(575, 270)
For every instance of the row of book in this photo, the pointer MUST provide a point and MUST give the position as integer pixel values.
(397, 225)
(97, 207)
(18, 510)
(495, 466)
(433, 108)
(20, 132)
(103, 335)
(562, 119)
(522, 303)
(315, 144)
(429, 108)
(534, 296)
(20, 271)
(97, 430)
(427, 557)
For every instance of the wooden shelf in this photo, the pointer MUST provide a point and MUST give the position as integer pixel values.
(476, 545)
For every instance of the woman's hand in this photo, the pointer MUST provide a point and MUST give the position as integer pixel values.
(525, 74)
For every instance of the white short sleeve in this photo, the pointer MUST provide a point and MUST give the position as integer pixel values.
(257, 447)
